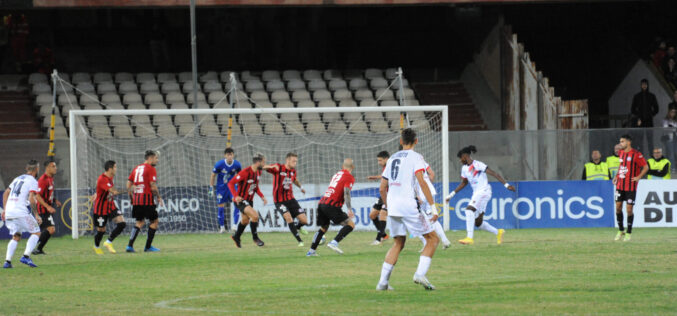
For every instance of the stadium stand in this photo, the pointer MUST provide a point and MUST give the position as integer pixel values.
(266, 89)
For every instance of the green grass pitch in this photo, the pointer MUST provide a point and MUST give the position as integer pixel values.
(536, 271)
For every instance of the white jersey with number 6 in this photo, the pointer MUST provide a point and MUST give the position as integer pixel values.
(402, 184)
(17, 203)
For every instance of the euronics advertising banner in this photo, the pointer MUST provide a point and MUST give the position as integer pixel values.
(537, 204)
(656, 204)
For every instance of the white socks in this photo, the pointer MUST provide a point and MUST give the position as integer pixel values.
(423, 266)
(11, 247)
(486, 226)
(440, 232)
(385, 273)
(30, 245)
(470, 223)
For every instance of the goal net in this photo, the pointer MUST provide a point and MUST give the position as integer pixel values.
(191, 141)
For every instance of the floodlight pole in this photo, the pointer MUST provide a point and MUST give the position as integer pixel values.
(193, 47)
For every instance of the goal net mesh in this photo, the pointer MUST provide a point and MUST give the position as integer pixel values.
(190, 144)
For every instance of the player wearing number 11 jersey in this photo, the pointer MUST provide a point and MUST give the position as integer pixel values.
(143, 190)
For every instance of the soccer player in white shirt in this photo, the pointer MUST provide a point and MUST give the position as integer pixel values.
(16, 215)
(475, 172)
(401, 176)
(429, 176)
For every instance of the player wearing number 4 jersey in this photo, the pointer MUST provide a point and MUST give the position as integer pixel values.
(20, 193)
(401, 176)
(284, 175)
(143, 191)
(247, 182)
(105, 209)
(329, 209)
(632, 168)
(45, 205)
(475, 172)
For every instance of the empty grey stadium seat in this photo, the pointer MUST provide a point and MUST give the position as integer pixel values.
(210, 130)
(352, 116)
(300, 95)
(310, 75)
(254, 85)
(331, 117)
(228, 85)
(347, 103)
(157, 106)
(363, 94)
(140, 120)
(320, 95)
(42, 88)
(391, 73)
(89, 99)
(161, 119)
(371, 73)
(270, 75)
(337, 84)
(379, 126)
(293, 127)
(358, 127)
(183, 119)
(148, 87)
(336, 127)
(85, 87)
(357, 83)
(328, 103)
(342, 94)
(378, 83)
(117, 120)
(316, 127)
(186, 130)
(37, 77)
(390, 103)
(274, 85)
(273, 128)
(166, 131)
(100, 77)
(217, 96)
(310, 117)
(252, 128)
(96, 121)
(179, 106)
(144, 131)
(145, 77)
(209, 76)
(175, 97)
(136, 106)
(284, 104)
(65, 99)
(131, 97)
(185, 77)
(368, 103)
(166, 77)
(153, 97)
(279, 96)
(296, 85)
(187, 87)
(169, 87)
(289, 75)
(247, 76)
(44, 99)
(80, 77)
(212, 86)
(259, 96)
(121, 77)
(123, 132)
(190, 98)
(332, 74)
(109, 87)
(305, 104)
(317, 85)
(102, 132)
(384, 94)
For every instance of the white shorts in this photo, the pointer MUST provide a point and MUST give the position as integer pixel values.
(479, 201)
(416, 225)
(24, 224)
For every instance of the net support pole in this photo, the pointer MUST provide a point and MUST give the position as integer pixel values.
(193, 50)
(50, 151)
(445, 166)
(74, 176)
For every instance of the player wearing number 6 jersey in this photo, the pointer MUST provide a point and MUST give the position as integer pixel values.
(329, 209)
(247, 182)
(143, 190)
(45, 205)
(475, 172)
(284, 175)
(105, 209)
(20, 193)
(401, 176)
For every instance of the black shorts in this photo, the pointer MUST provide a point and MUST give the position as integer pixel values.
(100, 221)
(47, 220)
(626, 196)
(242, 205)
(327, 213)
(143, 212)
(379, 205)
(292, 206)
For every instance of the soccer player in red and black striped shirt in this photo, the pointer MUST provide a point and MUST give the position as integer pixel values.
(284, 175)
(247, 182)
(632, 168)
(143, 190)
(329, 208)
(105, 208)
(45, 202)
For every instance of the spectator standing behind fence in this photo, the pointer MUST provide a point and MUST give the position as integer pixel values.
(670, 53)
(670, 137)
(659, 54)
(613, 161)
(659, 166)
(670, 71)
(596, 169)
(644, 108)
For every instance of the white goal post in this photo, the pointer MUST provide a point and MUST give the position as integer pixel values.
(87, 152)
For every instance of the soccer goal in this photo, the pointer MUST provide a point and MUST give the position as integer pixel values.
(190, 141)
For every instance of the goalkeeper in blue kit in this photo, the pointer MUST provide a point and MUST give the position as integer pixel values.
(223, 171)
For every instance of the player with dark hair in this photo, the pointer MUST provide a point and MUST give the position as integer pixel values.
(223, 171)
(284, 175)
(247, 182)
(45, 205)
(403, 172)
(18, 218)
(329, 209)
(379, 214)
(475, 172)
(105, 208)
(632, 168)
(143, 190)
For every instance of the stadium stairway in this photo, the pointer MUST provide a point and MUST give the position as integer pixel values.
(463, 115)
(17, 116)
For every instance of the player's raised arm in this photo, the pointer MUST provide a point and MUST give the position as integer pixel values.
(499, 178)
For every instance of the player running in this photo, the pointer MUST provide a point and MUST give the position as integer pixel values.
(45, 205)
(223, 171)
(403, 172)
(379, 214)
(632, 168)
(143, 190)
(105, 208)
(20, 193)
(329, 209)
(283, 195)
(247, 182)
(475, 172)
(429, 177)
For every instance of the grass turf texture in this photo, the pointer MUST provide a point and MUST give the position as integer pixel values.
(535, 271)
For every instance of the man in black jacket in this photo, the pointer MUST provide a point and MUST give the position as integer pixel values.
(644, 108)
